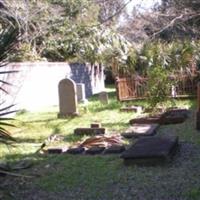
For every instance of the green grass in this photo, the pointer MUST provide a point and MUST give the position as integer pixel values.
(100, 177)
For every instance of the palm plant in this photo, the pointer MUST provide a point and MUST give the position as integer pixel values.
(8, 41)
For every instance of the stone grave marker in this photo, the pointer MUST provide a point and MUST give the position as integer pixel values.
(67, 98)
(80, 87)
(198, 107)
(103, 97)
(151, 150)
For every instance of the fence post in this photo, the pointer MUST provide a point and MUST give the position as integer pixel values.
(198, 107)
(117, 87)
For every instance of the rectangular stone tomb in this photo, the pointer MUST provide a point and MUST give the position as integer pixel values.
(114, 149)
(132, 109)
(181, 111)
(89, 131)
(55, 150)
(151, 151)
(146, 120)
(75, 150)
(137, 130)
(174, 116)
(95, 150)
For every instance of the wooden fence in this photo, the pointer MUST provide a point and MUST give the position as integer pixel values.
(136, 88)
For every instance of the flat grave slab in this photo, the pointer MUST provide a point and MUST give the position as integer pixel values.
(76, 150)
(137, 109)
(89, 131)
(55, 150)
(138, 130)
(146, 120)
(94, 150)
(114, 149)
(151, 151)
(174, 116)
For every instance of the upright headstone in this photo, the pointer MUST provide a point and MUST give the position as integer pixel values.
(198, 107)
(67, 98)
(103, 97)
(80, 87)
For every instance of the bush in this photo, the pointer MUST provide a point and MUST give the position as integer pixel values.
(158, 86)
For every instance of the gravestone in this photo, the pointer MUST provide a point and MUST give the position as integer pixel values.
(80, 87)
(67, 98)
(103, 97)
(151, 150)
(198, 107)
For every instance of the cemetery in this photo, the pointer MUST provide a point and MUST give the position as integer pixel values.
(99, 100)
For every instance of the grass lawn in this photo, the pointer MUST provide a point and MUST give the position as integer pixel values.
(63, 177)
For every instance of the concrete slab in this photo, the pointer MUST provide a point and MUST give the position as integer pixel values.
(76, 150)
(95, 150)
(114, 149)
(55, 150)
(151, 151)
(146, 120)
(138, 130)
(89, 131)
(137, 109)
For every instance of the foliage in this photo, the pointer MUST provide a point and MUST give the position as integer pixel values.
(25, 52)
(158, 86)
(8, 40)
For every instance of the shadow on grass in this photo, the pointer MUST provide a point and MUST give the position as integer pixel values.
(27, 140)
(72, 138)
(67, 119)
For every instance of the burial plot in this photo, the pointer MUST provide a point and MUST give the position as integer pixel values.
(76, 150)
(54, 150)
(151, 151)
(90, 131)
(67, 98)
(138, 130)
(95, 150)
(174, 116)
(137, 109)
(114, 149)
(146, 120)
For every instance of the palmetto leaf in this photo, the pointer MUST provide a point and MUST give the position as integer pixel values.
(7, 107)
(8, 39)
(6, 113)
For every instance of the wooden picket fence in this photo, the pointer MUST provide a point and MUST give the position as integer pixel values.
(136, 88)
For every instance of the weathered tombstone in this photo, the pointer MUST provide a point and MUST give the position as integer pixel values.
(67, 98)
(198, 107)
(103, 97)
(80, 87)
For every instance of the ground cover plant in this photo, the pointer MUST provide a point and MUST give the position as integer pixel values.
(97, 177)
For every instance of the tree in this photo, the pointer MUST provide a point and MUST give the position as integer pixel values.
(169, 20)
